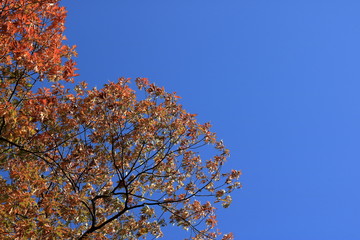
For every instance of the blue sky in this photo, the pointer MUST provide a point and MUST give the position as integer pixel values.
(278, 79)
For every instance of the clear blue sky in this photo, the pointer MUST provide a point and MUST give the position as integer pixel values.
(279, 80)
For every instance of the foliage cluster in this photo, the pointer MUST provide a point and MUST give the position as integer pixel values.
(95, 164)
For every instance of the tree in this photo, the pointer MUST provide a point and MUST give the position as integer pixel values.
(82, 163)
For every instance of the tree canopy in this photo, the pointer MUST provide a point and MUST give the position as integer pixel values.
(80, 163)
